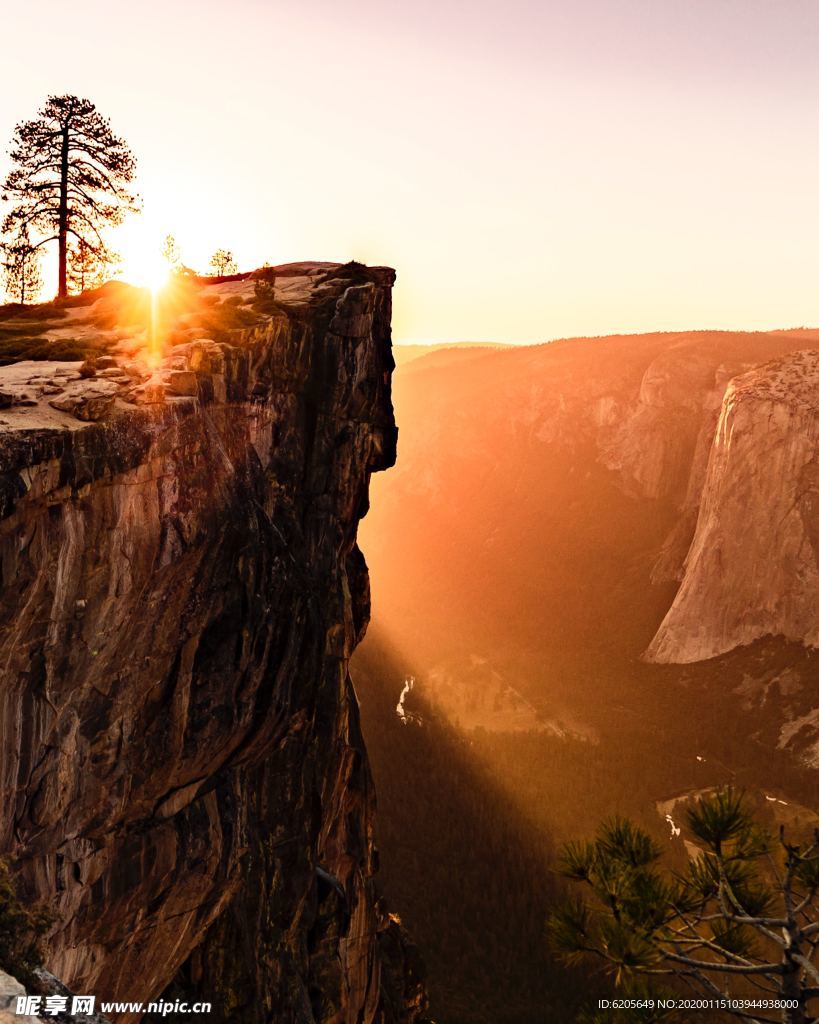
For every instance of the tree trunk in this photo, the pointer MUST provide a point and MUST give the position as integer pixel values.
(62, 232)
(791, 990)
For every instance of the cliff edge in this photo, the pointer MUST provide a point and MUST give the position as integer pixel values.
(182, 775)
(753, 566)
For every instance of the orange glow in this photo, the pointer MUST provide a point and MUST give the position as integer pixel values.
(558, 169)
(143, 264)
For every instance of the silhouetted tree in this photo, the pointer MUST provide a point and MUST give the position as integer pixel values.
(70, 178)
(746, 909)
(171, 253)
(223, 263)
(21, 268)
(89, 268)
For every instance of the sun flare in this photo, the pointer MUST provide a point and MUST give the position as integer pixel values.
(143, 264)
(147, 270)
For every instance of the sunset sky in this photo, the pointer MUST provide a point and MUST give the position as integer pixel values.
(532, 168)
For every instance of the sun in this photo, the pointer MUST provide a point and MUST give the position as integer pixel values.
(143, 264)
(155, 274)
(147, 269)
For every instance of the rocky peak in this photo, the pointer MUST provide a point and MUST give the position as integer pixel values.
(753, 566)
(183, 775)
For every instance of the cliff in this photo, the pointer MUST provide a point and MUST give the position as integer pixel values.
(183, 774)
(753, 566)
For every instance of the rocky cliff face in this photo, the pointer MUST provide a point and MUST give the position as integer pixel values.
(753, 566)
(182, 769)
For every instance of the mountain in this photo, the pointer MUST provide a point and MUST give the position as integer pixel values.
(184, 779)
(594, 561)
(753, 566)
(403, 354)
(545, 498)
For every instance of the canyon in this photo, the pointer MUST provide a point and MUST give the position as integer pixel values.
(183, 775)
(594, 567)
(617, 606)
(620, 449)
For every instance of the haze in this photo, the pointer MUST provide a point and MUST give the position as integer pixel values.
(532, 169)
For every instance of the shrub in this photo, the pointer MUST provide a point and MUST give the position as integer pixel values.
(21, 930)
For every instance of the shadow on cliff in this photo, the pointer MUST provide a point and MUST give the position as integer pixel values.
(468, 821)
(468, 873)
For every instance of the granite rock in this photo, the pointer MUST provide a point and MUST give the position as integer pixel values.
(182, 765)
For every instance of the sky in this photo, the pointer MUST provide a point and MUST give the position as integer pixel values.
(532, 169)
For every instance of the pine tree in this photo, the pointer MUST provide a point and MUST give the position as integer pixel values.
(88, 268)
(171, 253)
(69, 178)
(746, 912)
(21, 269)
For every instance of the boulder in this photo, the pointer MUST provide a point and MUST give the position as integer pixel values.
(182, 382)
(87, 399)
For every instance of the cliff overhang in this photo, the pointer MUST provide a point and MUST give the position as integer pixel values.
(182, 766)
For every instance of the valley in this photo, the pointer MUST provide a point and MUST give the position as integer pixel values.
(525, 554)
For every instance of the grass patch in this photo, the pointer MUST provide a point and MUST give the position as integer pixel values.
(42, 349)
(219, 321)
(46, 311)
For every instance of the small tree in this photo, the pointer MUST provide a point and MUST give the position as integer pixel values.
(171, 253)
(223, 263)
(89, 268)
(264, 289)
(69, 178)
(745, 911)
(21, 269)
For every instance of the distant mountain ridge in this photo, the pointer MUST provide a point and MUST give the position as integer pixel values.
(406, 352)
